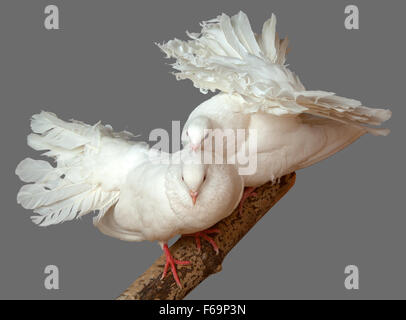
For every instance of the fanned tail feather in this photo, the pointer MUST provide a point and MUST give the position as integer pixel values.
(65, 191)
(213, 57)
(229, 57)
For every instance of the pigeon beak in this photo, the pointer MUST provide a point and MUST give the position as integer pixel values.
(193, 195)
(195, 147)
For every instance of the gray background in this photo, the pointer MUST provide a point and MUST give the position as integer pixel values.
(103, 65)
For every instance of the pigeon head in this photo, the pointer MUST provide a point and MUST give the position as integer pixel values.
(199, 192)
(194, 176)
(196, 132)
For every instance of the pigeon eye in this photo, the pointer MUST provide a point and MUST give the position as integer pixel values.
(187, 133)
(183, 179)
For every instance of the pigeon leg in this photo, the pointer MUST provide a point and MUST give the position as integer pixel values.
(205, 235)
(170, 261)
(248, 192)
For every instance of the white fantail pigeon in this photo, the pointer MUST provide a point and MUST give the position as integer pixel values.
(138, 192)
(294, 127)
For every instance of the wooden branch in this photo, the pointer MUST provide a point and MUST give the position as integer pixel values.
(150, 286)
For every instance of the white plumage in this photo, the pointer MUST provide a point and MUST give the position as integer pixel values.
(139, 193)
(295, 127)
(88, 173)
(99, 167)
(228, 56)
(142, 194)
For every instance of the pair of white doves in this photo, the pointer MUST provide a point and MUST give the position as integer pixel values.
(143, 194)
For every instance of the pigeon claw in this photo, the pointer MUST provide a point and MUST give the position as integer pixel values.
(248, 192)
(205, 235)
(170, 261)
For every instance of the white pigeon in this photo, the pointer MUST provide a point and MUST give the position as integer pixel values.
(139, 193)
(295, 128)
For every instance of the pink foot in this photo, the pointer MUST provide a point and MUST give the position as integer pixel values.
(248, 192)
(171, 261)
(204, 234)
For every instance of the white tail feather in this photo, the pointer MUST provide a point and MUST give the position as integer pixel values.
(225, 49)
(30, 170)
(228, 56)
(77, 184)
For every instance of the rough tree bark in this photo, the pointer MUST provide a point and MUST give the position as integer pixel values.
(232, 229)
